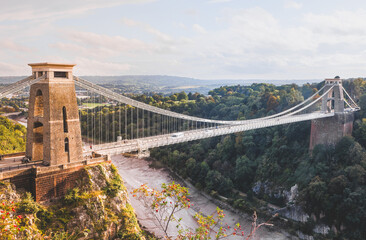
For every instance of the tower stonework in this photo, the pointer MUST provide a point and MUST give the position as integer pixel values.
(334, 100)
(329, 131)
(53, 128)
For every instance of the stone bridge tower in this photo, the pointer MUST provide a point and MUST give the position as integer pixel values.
(334, 101)
(329, 131)
(53, 131)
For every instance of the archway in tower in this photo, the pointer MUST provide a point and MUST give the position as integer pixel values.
(38, 104)
(37, 151)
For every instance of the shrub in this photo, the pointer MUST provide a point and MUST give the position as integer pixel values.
(113, 187)
(73, 196)
(28, 205)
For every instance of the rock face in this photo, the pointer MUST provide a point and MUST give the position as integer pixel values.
(98, 206)
(104, 207)
(292, 210)
(8, 192)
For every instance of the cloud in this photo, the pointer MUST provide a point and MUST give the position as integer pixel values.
(254, 43)
(89, 44)
(86, 66)
(43, 9)
(113, 43)
(191, 12)
(199, 29)
(219, 1)
(292, 4)
(8, 69)
(7, 44)
(146, 27)
(241, 43)
(340, 23)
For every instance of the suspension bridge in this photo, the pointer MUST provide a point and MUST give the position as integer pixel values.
(113, 123)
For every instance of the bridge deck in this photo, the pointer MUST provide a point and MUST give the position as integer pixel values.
(169, 139)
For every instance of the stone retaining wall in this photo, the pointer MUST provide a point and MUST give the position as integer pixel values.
(46, 183)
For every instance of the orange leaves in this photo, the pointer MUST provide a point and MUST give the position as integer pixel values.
(164, 203)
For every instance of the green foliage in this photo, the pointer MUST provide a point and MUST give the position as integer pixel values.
(215, 181)
(61, 235)
(45, 216)
(28, 205)
(73, 196)
(12, 136)
(115, 184)
(360, 132)
(113, 187)
(331, 179)
(129, 223)
(337, 188)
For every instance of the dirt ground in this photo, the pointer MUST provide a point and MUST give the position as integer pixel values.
(136, 172)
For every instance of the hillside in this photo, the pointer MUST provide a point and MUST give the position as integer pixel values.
(98, 209)
(12, 136)
(267, 163)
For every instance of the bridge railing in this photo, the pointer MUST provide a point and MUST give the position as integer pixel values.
(20, 166)
(15, 87)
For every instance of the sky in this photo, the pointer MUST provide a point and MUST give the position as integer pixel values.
(205, 39)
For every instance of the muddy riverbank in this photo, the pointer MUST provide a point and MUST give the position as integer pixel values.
(136, 172)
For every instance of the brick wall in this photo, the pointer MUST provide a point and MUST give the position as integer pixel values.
(21, 178)
(46, 183)
(55, 184)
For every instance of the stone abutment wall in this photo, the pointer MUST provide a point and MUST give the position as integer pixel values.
(46, 183)
(329, 131)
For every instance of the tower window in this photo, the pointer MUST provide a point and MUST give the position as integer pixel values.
(66, 145)
(38, 104)
(60, 74)
(64, 117)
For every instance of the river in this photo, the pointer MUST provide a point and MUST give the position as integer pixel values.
(136, 172)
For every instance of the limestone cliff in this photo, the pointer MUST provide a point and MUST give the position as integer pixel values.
(97, 209)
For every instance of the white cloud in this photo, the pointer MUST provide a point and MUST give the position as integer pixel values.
(340, 23)
(293, 4)
(8, 69)
(219, 1)
(86, 66)
(254, 43)
(50, 10)
(105, 42)
(242, 43)
(199, 29)
(7, 44)
(146, 27)
(191, 12)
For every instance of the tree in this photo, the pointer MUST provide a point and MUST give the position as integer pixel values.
(165, 203)
(182, 96)
(342, 147)
(215, 181)
(360, 132)
(244, 172)
(313, 197)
